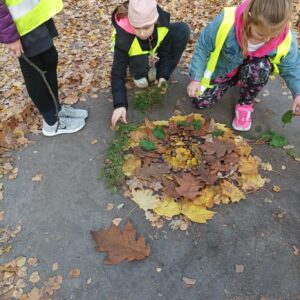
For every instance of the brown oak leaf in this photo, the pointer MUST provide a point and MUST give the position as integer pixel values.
(189, 185)
(121, 245)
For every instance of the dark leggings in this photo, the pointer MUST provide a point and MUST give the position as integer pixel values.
(37, 90)
(252, 76)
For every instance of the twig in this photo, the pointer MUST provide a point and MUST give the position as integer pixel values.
(130, 213)
(46, 83)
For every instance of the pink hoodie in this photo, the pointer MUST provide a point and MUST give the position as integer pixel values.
(124, 24)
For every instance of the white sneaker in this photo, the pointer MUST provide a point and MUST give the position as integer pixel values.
(141, 83)
(71, 112)
(66, 125)
(152, 73)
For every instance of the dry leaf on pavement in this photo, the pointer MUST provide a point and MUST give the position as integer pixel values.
(121, 245)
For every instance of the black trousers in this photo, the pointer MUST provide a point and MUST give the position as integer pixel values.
(179, 36)
(37, 90)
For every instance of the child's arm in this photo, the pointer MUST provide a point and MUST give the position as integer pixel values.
(205, 45)
(118, 75)
(8, 31)
(289, 69)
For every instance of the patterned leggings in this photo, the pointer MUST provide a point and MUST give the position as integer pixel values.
(252, 76)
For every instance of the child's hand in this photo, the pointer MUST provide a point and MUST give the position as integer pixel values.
(118, 113)
(193, 89)
(296, 106)
(15, 48)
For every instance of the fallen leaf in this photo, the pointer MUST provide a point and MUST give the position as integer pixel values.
(239, 268)
(296, 250)
(1, 216)
(121, 245)
(74, 273)
(195, 213)
(109, 206)
(55, 267)
(167, 207)
(89, 281)
(38, 177)
(189, 281)
(21, 261)
(117, 221)
(34, 277)
(145, 199)
(276, 188)
(93, 142)
(32, 261)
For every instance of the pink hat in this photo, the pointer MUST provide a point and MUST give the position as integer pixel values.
(142, 13)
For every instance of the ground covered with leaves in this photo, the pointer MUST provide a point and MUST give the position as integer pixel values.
(85, 58)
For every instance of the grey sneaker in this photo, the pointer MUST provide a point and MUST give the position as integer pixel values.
(66, 125)
(71, 112)
(141, 83)
(152, 73)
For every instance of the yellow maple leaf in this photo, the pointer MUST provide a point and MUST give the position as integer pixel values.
(248, 165)
(145, 199)
(206, 198)
(230, 191)
(178, 118)
(197, 117)
(250, 182)
(168, 207)
(196, 213)
(131, 165)
(242, 147)
(160, 123)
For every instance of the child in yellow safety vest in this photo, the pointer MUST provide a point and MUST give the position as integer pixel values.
(142, 28)
(243, 46)
(27, 30)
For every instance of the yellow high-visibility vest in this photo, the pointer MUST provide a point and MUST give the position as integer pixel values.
(29, 14)
(226, 25)
(135, 48)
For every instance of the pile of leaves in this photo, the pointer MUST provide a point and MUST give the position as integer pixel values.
(185, 166)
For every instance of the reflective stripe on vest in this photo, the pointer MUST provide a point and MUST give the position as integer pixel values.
(282, 51)
(226, 25)
(135, 48)
(29, 14)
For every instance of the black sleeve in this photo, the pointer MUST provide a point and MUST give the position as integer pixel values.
(165, 59)
(118, 75)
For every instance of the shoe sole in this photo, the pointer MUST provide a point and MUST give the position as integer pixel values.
(46, 133)
(240, 128)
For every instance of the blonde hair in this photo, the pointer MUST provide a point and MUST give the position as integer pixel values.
(271, 16)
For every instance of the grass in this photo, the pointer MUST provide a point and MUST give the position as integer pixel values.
(146, 99)
(113, 164)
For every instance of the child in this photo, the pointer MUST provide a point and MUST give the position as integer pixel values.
(26, 27)
(258, 41)
(143, 28)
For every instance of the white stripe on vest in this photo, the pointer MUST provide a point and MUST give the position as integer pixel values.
(22, 9)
